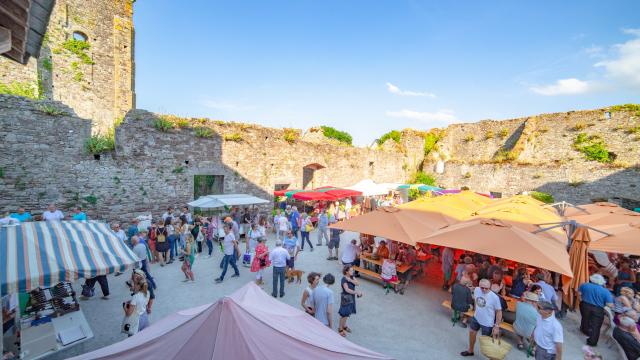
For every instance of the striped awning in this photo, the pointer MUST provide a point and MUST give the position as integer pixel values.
(34, 254)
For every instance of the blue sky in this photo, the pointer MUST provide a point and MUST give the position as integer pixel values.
(368, 67)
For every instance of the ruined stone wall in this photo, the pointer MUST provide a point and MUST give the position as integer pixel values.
(43, 160)
(543, 156)
(98, 86)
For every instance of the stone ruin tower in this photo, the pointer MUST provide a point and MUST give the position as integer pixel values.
(86, 59)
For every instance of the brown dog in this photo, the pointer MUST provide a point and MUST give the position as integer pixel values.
(294, 273)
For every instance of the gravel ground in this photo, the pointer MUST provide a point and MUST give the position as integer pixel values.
(409, 326)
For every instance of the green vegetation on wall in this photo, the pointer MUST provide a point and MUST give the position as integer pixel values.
(394, 135)
(593, 147)
(203, 132)
(431, 140)
(79, 48)
(542, 196)
(332, 133)
(420, 177)
(17, 88)
(625, 107)
(235, 137)
(163, 124)
(99, 143)
(290, 135)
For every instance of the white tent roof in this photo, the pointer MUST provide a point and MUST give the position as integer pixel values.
(217, 201)
(368, 188)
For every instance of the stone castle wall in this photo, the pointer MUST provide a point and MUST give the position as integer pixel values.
(43, 160)
(100, 89)
(544, 157)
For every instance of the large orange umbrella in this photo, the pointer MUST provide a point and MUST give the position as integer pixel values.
(458, 206)
(405, 226)
(504, 239)
(622, 239)
(617, 217)
(594, 208)
(579, 265)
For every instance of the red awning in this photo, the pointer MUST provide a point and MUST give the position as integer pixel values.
(313, 196)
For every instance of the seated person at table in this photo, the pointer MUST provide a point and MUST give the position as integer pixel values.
(520, 282)
(461, 301)
(409, 258)
(366, 243)
(628, 337)
(497, 266)
(382, 251)
(626, 301)
(536, 289)
(631, 314)
(497, 280)
(624, 278)
(483, 270)
(462, 264)
(469, 275)
(526, 317)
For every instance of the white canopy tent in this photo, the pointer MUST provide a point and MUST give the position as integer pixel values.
(369, 188)
(219, 201)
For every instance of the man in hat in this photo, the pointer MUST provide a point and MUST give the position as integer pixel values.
(548, 333)
(594, 298)
(526, 317)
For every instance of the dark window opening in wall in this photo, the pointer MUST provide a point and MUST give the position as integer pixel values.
(370, 163)
(278, 187)
(186, 162)
(496, 194)
(309, 175)
(80, 36)
(207, 185)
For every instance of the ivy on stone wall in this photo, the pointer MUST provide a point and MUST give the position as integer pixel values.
(394, 135)
(79, 48)
(332, 133)
(593, 147)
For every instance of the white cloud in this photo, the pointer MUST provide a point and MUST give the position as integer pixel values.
(443, 116)
(594, 51)
(625, 69)
(563, 87)
(396, 90)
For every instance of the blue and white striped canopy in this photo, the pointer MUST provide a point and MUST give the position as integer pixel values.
(34, 254)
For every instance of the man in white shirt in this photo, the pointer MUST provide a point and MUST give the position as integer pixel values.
(168, 214)
(229, 247)
(283, 226)
(279, 257)
(52, 214)
(120, 234)
(548, 333)
(350, 253)
(185, 212)
(347, 208)
(487, 316)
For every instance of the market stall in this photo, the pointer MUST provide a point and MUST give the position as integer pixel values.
(221, 203)
(38, 260)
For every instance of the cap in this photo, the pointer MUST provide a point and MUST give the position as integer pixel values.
(545, 305)
(597, 279)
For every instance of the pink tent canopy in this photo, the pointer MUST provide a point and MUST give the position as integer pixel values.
(248, 324)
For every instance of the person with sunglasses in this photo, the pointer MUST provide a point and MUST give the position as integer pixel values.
(487, 316)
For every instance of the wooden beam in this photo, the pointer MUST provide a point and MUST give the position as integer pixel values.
(5, 40)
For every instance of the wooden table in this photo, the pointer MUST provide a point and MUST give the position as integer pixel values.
(402, 268)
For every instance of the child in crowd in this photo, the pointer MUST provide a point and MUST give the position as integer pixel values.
(189, 253)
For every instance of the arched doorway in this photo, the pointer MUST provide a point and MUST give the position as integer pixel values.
(309, 175)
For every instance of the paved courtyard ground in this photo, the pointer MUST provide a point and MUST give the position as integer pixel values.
(410, 326)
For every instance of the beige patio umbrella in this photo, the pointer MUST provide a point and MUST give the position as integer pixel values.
(579, 265)
(405, 226)
(504, 239)
(622, 239)
(588, 209)
(617, 217)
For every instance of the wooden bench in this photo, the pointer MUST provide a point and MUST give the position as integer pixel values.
(372, 274)
(503, 325)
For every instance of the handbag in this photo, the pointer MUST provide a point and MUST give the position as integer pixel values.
(346, 299)
(263, 262)
(246, 258)
(494, 349)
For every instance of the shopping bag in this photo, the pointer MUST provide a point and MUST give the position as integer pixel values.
(246, 259)
(494, 348)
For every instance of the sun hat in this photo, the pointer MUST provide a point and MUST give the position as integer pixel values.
(597, 279)
(530, 296)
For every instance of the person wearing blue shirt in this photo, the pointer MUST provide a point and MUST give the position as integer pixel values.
(132, 230)
(594, 298)
(323, 227)
(294, 220)
(78, 214)
(21, 215)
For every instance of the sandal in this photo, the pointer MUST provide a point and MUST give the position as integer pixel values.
(466, 353)
(342, 332)
(346, 328)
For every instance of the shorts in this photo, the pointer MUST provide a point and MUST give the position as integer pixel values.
(475, 326)
(333, 244)
(291, 263)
